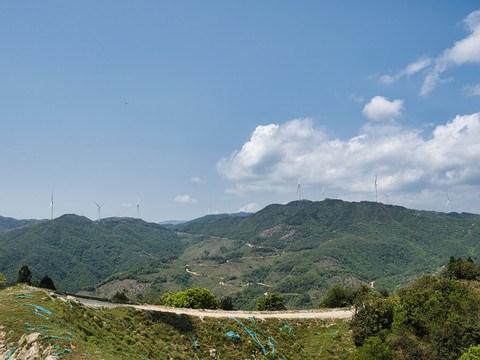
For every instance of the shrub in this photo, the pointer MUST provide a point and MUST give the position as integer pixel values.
(192, 298)
(272, 302)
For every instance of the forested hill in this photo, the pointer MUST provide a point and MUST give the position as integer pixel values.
(317, 241)
(77, 252)
(7, 223)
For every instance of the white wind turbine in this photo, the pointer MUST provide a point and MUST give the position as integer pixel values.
(138, 208)
(99, 207)
(447, 204)
(323, 193)
(299, 190)
(386, 197)
(376, 197)
(51, 207)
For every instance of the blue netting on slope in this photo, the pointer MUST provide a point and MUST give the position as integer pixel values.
(11, 353)
(231, 334)
(252, 334)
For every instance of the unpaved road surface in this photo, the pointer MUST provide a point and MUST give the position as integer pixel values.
(300, 314)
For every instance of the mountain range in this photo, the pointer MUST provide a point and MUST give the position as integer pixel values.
(300, 250)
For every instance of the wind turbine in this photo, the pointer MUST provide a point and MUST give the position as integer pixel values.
(138, 208)
(447, 204)
(299, 190)
(51, 207)
(386, 197)
(376, 198)
(323, 193)
(99, 207)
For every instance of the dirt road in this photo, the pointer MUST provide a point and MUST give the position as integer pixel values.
(300, 314)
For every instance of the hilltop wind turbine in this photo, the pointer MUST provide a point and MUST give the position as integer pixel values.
(99, 207)
(376, 197)
(447, 204)
(386, 197)
(323, 193)
(299, 189)
(51, 207)
(138, 208)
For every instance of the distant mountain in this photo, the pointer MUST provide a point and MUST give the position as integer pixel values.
(303, 248)
(7, 223)
(77, 252)
(299, 250)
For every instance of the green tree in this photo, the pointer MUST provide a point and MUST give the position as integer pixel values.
(24, 275)
(192, 298)
(374, 349)
(462, 270)
(47, 283)
(338, 296)
(375, 318)
(226, 303)
(3, 279)
(473, 353)
(271, 302)
(120, 297)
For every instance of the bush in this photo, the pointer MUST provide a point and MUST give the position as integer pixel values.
(47, 283)
(338, 296)
(226, 303)
(272, 302)
(192, 298)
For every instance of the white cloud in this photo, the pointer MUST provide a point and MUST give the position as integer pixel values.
(405, 161)
(197, 180)
(464, 51)
(356, 98)
(380, 109)
(471, 90)
(249, 208)
(185, 199)
(410, 69)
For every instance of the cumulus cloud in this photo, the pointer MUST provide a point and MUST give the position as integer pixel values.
(380, 109)
(185, 199)
(464, 51)
(404, 159)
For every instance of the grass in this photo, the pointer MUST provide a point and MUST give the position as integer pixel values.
(126, 333)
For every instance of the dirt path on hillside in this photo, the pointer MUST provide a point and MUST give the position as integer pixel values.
(300, 314)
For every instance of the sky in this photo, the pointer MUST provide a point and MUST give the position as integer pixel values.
(189, 108)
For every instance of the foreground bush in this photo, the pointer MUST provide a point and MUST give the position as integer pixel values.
(192, 298)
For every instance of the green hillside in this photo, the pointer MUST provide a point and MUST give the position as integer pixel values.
(77, 252)
(7, 223)
(299, 250)
(303, 248)
(36, 325)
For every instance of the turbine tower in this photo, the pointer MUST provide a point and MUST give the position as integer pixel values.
(138, 208)
(51, 207)
(447, 204)
(99, 207)
(376, 197)
(299, 190)
(323, 193)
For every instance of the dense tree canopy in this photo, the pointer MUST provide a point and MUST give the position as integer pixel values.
(430, 318)
(24, 275)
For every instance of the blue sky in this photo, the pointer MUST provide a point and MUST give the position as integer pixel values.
(200, 107)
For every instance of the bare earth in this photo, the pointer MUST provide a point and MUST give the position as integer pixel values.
(300, 314)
